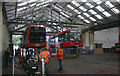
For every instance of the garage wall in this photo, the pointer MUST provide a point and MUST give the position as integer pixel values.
(108, 37)
(0, 42)
(4, 38)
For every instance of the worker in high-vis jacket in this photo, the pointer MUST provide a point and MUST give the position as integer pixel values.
(45, 54)
(60, 58)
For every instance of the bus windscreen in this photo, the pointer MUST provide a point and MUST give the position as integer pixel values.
(37, 35)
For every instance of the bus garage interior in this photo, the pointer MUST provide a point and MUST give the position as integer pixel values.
(88, 32)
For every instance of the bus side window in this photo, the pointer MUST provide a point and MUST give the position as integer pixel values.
(66, 37)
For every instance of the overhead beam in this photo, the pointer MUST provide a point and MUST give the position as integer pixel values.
(103, 26)
(17, 20)
(47, 25)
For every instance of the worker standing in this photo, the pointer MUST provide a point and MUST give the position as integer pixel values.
(45, 54)
(60, 58)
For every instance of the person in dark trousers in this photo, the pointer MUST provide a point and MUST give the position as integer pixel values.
(7, 58)
(60, 58)
(45, 54)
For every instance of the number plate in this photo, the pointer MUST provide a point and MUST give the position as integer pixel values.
(33, 67)
(37, 44)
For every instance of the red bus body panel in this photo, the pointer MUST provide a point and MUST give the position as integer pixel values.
(28, 44)
(68, 43)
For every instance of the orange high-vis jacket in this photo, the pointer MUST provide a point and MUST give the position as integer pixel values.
(60, 54)
(45, 54)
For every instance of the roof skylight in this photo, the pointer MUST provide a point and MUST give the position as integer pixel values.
(92, 11)
(45, 2)
(99, 17)
(109, 4)
(21, 9)
(67, 12)
(21, 4)
(77, 11)
(75, 3)
(64, 14)
(98, 1)
(32, 1)
(80, 17)
(86, 14)
(100, 8)
(84, 0)
(57, 8)
(115, 10)
(118, 1)
(45, 5)
(87, 21)
(106, 14)
(33, 4)
(82, 8)
(90, 5)
(92, 19)
(69, 6)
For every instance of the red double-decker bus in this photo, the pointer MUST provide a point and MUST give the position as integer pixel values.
(68, 38)
(117, 47)
(34, 36)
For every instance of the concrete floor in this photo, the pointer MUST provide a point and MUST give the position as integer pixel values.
(85, 64)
